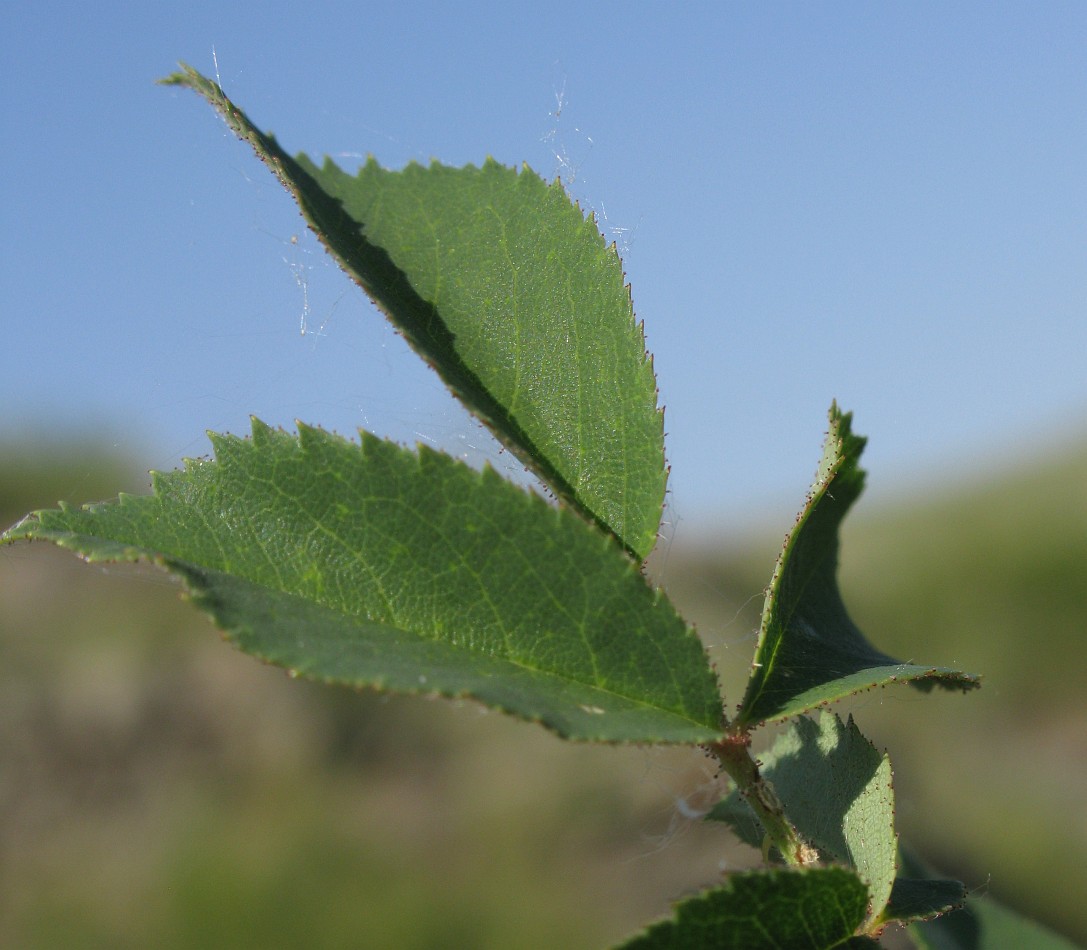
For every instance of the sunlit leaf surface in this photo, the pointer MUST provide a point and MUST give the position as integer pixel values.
(501, 284)
(372, 565)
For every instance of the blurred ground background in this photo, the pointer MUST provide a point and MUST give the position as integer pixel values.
(159, 788)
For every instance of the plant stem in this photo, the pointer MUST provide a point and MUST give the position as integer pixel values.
(734, 754)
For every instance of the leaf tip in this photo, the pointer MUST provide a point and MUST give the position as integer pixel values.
(186, 76)
(22, 530)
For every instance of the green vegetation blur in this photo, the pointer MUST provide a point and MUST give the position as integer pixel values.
(157, 788)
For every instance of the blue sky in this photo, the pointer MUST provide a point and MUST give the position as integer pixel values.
(884, 204)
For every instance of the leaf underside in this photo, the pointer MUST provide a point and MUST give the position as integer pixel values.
(502, 285)
(810, 909)
(810, 652)
(836, 789)
(372, 565)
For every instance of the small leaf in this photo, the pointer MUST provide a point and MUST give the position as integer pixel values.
(982, 924)
(836, 790)
(371, 565)
(809, 651)
(733, 811)
(985, 924)
(810, 909)
(501, 284)
(923, 899)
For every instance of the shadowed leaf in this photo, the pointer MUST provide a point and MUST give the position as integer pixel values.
(982, 924)
(809, 651)
(913, 899)
(813, 909)
(836, 789)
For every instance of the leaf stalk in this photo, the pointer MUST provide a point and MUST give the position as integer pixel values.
(734, 754)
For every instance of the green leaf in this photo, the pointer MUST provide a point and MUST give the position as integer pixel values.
(734, 811)
(982, 924)
(809, 909)
(809, 651)
(371, 565)
(923, 899)
(502, 285)
(836, 790)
